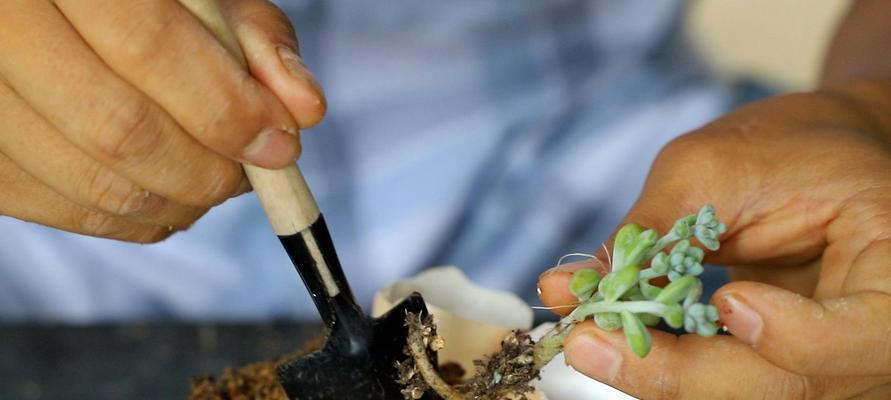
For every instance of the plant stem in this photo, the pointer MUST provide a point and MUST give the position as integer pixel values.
(661, 244)
(649, 273)
(590, 308)
(551, 343)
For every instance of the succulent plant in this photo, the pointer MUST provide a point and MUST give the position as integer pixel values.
(625, 299)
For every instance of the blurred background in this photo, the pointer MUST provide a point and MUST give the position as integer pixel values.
(780, 43)
(144, 342)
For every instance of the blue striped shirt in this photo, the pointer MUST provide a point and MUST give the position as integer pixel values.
(491, 135)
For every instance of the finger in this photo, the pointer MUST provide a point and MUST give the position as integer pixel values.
(800, 279)
(859, 246)
(708, 167)
(25, 198)
(694, 367)
(64, 81)
(78, 178)
(270, 45)
(840, 336)
(553, 285)
(164, 51)
(880, 392)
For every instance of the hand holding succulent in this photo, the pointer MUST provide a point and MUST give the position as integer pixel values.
(804, 187)
(624, 298)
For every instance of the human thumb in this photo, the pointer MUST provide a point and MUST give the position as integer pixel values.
(808, 336)
(270, 46)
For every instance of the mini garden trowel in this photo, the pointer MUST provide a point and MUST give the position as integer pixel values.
(358, 360)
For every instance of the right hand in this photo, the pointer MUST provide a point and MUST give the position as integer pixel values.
(128, 120)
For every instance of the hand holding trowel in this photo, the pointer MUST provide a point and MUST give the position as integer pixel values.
(358, 360)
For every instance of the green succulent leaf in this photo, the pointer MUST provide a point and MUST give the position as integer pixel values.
(608, 321)
(648, 319)
(674, 316)
(624, 240)
(625, 299)
(584, 282)
(636, 333)
(694, 294)
(706, 215)
(649, 292)
(660, 264)
(616, 283)
(701, 319)
(634, 255)
(677, 290)
(684, 259)
(683, 227)
(708, 228)
(633, 294)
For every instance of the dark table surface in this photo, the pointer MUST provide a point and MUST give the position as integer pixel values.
(152, 361)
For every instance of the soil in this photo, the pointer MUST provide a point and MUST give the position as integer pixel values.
(506, 374)
(250, 382)
(255, 381)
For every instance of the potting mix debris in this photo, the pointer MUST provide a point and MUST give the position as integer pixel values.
(509, 372)
(505, 374)
(251, 382)
(257, 381)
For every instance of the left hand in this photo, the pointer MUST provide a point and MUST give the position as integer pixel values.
(803, 183)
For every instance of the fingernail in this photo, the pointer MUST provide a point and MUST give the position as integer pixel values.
(741, 320)
(298, 69)
(548, 272)
(594, 357)
(572, 267)
(271, 148)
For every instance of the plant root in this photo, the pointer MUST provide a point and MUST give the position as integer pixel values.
(505, 374)
(421, 336)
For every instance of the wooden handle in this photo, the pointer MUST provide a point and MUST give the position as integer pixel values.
(285, 197)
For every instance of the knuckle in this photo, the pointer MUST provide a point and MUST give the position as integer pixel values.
(789, 386)
(813, 387)
(108, 226)
(676, 149)
(875, 222)
(669, 387)
(151, 235)
(712, 156)
(113, 194)
(146, 28)
(689, 145)
(101, 224)
(219, 184)
(793, 357)
(238, 118)
(267, 15)
(127, 132)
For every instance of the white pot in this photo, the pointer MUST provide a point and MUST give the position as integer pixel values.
(472, 320)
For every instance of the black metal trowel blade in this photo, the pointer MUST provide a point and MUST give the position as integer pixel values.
(358, 362)
(358, 359)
